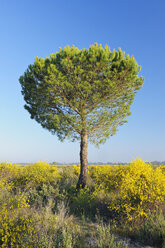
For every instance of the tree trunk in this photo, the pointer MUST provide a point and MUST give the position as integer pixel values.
(83, 161)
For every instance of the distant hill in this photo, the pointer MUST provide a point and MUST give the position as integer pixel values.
(100, 163)
(111, 163)
(158, 163)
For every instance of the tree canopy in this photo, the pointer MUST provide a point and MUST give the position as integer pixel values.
(75, 88)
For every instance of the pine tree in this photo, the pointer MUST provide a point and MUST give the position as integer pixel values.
(82, 94)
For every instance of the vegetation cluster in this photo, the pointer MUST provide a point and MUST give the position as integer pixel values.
(41, 207)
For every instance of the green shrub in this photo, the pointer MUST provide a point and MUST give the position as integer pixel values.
(57, 230)
(105, 239)
(83, 203)
(153, 230)
(40, 196)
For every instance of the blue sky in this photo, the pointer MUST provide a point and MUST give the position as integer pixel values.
(38, 28)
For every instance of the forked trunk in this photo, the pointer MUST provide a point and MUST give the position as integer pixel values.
(83, 161)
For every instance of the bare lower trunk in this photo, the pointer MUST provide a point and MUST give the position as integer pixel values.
(83, 161)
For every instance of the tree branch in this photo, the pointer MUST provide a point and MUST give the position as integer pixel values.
(70, 122)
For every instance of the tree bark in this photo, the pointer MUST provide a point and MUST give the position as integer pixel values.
(83, 161)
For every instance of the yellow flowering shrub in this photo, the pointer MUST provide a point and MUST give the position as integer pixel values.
(16, 229)
(107, 177)
(162, 168)
(142, 189)
(8, 170)
(76, 169)
(35, 174)
(4, 185)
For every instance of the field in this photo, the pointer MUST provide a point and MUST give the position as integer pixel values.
(121, 206)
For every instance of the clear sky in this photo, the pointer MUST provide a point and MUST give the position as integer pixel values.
(31, 28)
